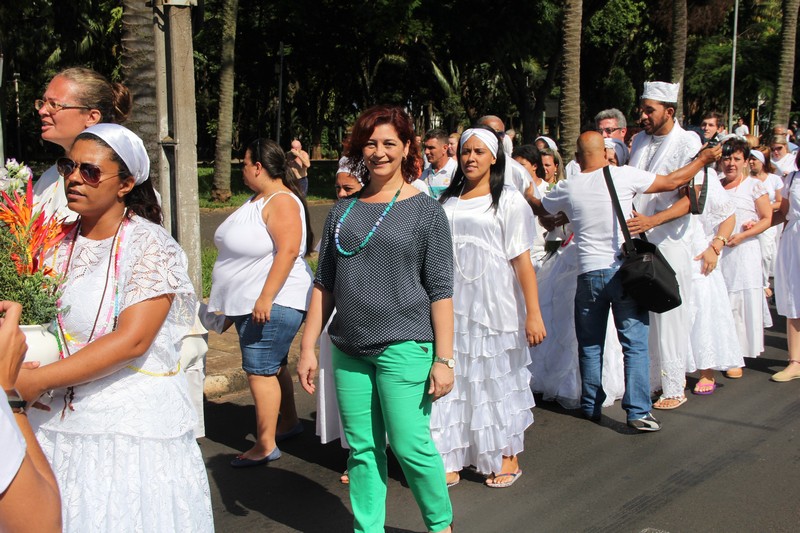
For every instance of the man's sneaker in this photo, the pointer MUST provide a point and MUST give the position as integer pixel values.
(647, 423)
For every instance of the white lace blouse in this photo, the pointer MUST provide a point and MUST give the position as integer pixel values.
(138, 400)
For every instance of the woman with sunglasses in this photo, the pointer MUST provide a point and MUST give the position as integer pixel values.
(75, 99)
(386, 265)
(262, 284)
(782, 159)
(119, 430)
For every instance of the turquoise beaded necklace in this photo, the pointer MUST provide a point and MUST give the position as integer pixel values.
(350, 253)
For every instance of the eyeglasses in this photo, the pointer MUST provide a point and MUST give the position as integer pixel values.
(90, 173)
(607, 131)
(777, 148)
(54, 107)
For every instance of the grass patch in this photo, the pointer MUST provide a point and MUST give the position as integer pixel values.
(321, 177)
(208, 256)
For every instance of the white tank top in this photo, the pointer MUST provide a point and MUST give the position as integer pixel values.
(246, 252)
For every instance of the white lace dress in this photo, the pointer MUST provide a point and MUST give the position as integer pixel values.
(741, 268)
(714, 343)
(554, 363)
(489, 408)
(125, 454)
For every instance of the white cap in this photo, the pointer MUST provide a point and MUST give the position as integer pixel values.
(661, 91)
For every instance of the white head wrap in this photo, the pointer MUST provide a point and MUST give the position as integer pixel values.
(758, 155)
(548, 141)
(488, 138)
(661, 91)
(127, 145)
(346, 167)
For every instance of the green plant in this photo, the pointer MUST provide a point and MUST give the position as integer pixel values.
(26, 238)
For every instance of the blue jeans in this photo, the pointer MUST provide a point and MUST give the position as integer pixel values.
(596, 292)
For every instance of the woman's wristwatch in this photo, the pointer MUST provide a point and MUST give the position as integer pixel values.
(449, 363)
(15, 401)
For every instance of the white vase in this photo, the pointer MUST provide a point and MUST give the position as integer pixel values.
(42, 345)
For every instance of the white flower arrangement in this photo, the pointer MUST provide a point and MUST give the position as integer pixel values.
(14, 176)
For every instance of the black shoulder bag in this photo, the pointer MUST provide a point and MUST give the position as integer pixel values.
(698, 203)
(645, 274)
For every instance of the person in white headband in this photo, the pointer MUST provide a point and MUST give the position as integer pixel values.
(488, 138)
(127, 145)
(546, 140)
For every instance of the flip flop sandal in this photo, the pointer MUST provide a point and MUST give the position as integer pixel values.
(705, 389)
(502, 485)
(679, 401)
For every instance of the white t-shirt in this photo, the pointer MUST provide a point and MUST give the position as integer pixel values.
(12, 445)
(421, 186)
(585, 199)
(742, 130)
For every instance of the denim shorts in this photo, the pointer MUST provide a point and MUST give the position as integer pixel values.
(265, 347)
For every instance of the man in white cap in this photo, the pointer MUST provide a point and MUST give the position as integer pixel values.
(661, 148)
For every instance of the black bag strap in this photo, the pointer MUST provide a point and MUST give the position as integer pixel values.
(698, 203)
(629, 247)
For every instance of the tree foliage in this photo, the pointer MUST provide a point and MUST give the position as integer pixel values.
(447, 62)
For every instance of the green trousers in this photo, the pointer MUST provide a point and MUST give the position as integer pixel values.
(387, 394)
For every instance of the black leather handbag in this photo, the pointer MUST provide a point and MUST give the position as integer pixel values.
(645, 274)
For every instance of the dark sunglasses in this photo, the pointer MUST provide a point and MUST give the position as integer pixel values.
(90, 174)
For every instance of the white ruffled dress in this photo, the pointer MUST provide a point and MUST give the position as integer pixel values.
(554, 366)
(489, 408)
(125, 454)
(714, 343)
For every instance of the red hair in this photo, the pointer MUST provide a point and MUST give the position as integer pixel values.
(362, 130)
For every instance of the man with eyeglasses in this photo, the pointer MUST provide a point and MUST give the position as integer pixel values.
(611, 123)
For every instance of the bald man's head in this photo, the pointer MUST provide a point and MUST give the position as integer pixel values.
(493, 122)
(591, 153)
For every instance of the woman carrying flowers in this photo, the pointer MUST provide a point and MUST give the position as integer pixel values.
(119, 430)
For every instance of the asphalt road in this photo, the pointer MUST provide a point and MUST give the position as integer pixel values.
(728, 462)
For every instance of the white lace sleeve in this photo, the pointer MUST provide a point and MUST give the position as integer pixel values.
(154, 265)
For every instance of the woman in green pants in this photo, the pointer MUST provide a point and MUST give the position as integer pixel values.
(386, 265)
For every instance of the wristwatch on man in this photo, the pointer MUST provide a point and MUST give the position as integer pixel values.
(15, 401)
(449, 363)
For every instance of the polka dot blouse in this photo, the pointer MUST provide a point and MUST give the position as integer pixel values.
(383, 294)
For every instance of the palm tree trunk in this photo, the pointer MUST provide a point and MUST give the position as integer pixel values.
(783, 93)
(139, 75)
(679, 32)
(570, 112)
(221, 184)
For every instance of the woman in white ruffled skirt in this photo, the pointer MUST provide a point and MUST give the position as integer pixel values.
(483, 420)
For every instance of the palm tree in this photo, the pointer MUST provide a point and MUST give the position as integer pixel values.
(679, 31)
(221, 185)
(139, 75)
(783, 97)
(570, 112)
